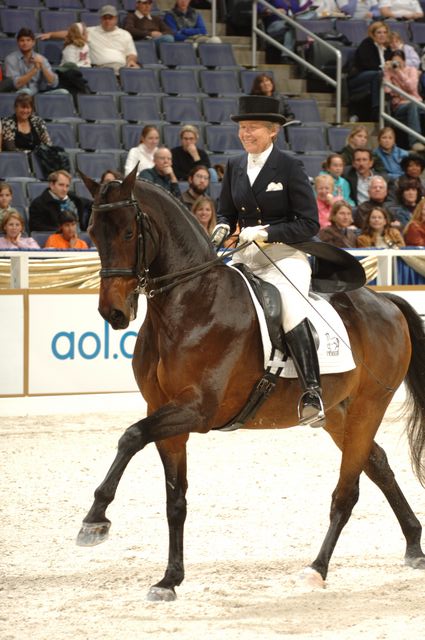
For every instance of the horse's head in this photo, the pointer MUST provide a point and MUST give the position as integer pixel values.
(116, 228)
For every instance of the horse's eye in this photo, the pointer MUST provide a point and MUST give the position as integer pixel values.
(128, 235)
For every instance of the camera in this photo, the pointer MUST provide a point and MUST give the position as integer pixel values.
(395, 64)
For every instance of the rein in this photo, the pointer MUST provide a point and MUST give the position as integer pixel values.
(145, 284)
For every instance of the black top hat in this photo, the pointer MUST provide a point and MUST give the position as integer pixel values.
(259, 108)
(412, 157)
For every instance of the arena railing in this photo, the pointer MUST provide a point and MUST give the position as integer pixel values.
(386, 118)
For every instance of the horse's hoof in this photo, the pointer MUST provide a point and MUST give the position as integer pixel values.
(310, 579)
(160, 594)
(93, 533)
(415, 563)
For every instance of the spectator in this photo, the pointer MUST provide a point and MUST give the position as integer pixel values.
(199, 181)
(408, 194)
(76, 50)
(397, 44)
(407, 79)
(109, 175)
(389, 153)
(188, 154)
(143, 153)
(263, 85)
(324, 186)
(13, 226)
(339, 232)
(365, 74)
(412, 166)
(358, 138)
(30, 71)
(67, 236)
(414, 231)
(6, 195)
(334, 166)
(204, 211)
(377, 197)
(361, 9)
(142, 25)
(109, 45)
(279, 29)
(360, 173)
(162, 173)
(377, 231)
(45, 209)
(186, 23)
(24, 131)
(400, 9)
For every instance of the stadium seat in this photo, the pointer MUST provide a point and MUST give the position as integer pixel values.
(181, 109)
(146, 54)
(418, 32)
(312, 163)
(179, 81)
(12, 20)
(139, 81)
(130, 135)
(178, 54)
(354, 30)
(62, 134)
(63, 4)
(216, 55)
(248, 76)
(97, 107)
(220, 82)
(35, 189)
(98, 136)
(337, 137)
(306, 139)
(7, 103)
(94, 164)
(20, 198)
(80, 190)
(25, 3)
(101, 79)
(402, 27)
(7, 45)
(50, 49)
(55, 106)
(14, 164)
(222, 138)
(90, 18)
(305, 109)
(218, 110)
(140, 109)
(315, 25)
(57, 20)
(40, 237)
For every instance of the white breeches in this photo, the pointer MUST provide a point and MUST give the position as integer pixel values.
(293, 288)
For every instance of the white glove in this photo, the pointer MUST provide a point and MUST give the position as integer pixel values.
(252, 234)
(219, 234)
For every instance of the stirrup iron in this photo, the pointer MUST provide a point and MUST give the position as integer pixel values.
(311, 413)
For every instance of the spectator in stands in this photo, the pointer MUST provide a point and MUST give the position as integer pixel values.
(143, 153)
(186, 23)
(109, 45)
(279, 29)
(109, 175)
(414, 231)
(389, 153)
(377, 231)
(13, 226)
(377, 197)
(67, 235)
(45, 209)
(360, 173)
(188, 154)
(6, 196)
(397, 44)
(263, 85)
(413, 165)
(144, 26)
(408, 194)
(406, 78)
(358, 138)
(30, 71)
(324, 186)
(339, 232)
(162, 173)
(334, 166)
(361, 9)
(76, 50)
(401, 9)
(199, 181)
(204, 211)
(366, 71)
(24, 130)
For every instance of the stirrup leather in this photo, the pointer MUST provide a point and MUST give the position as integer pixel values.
(311, 410)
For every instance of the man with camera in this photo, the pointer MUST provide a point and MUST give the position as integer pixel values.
(406, 78)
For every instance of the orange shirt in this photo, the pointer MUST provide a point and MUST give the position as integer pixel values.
(57, 241)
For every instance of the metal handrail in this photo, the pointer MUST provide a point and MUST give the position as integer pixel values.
(336, 83)
(388, 118)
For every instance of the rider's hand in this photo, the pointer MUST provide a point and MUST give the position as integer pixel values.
(252, 234)
(219, 234)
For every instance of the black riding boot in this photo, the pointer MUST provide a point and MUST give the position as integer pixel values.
(302, 348)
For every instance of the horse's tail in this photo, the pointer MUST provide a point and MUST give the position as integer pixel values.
(415, 383)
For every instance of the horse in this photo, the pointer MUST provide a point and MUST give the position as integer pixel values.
(198, 355)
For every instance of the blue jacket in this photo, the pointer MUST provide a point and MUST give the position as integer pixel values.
(391, 161)
(185, 25)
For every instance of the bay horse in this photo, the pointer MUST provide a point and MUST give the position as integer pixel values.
(199, 354)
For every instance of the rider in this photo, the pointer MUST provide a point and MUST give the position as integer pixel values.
(269, 194)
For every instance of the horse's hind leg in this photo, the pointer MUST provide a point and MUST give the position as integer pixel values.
(379, 471)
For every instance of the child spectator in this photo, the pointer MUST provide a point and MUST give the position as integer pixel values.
(76, 50)
(377, 231)
(334, 166)
(358, 138)
(339, 233)
(6, 195)
(13, 226)
(324, 186)
(67, 236)
(389, 153)
(414, 232)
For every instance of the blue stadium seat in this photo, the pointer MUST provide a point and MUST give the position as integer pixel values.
(14, 164)
(63, 4)
(220, 82)
(101, 79)
(51, 20)
(306, 139)
(248, 76)
(98, 136)
(20, 198)
(178, 54)
(354, 30)
(22, 3)
(312, 163)
(217, 55)
(7, 103)
(222, 138)
(130, 135)
(98, 107)
(7, 45)
(146, 54)
(218, 110)
(40, 237)
(181, 109)
(94, 164)
(337, 137)
(316, 25)
(140, 108)
(402, 27)
(80, 190)
(179, 81)
(418, 32)
(55, 106)
(139, 81)
(12, 20)
(95, 5)
(305, 109)
(35, 189)
(90, 18)
(62, 134)
(50, 49)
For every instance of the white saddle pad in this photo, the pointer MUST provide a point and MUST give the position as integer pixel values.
(334, 351)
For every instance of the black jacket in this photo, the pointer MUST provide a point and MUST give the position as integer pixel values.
(44, 212)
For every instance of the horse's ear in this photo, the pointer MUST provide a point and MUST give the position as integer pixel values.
(128, 182)
(91, 185)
